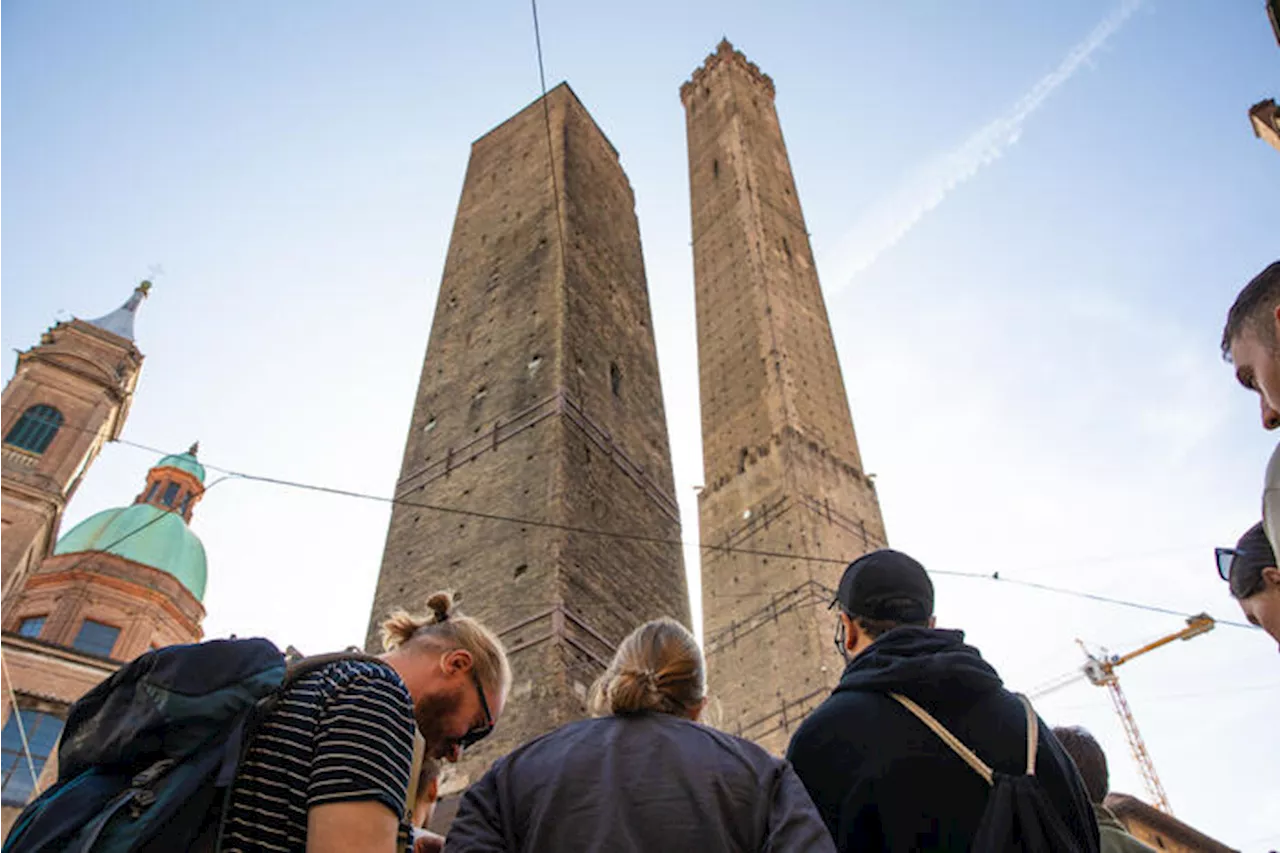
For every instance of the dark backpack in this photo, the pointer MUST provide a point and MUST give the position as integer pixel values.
(1019, 814)
(148, 757)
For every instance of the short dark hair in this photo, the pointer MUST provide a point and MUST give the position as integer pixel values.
(1089, 759)
(873, 628)
(1259, 297)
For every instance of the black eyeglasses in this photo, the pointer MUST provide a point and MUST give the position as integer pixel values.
(840, 638)
(483, 730)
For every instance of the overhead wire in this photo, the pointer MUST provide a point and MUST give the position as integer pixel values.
(996, 577)
(551, 153)
(16, 711)
(659, 540)
(13, 696)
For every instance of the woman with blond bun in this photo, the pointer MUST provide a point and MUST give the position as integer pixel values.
(643, 775)
(328, 769)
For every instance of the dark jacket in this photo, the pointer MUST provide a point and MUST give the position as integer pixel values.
(642, 782)
(884, 781)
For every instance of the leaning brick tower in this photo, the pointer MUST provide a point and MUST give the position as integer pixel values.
(782, 470)
(539, 399)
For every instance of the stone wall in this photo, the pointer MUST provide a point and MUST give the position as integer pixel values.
(786, 504)
(540, 400)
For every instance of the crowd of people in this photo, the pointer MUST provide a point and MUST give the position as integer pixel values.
(918, 747)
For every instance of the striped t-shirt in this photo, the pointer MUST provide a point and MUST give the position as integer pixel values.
(342, 733)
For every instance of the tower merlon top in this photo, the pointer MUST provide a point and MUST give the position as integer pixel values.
(558, 91)
(726, 55)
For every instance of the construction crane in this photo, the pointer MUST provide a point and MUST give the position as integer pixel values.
(1101, 670)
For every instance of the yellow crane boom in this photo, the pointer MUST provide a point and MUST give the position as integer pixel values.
(1101, 670)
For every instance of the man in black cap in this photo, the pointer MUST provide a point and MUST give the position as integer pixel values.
(880, 778)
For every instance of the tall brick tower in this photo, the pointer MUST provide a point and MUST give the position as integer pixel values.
(539, 399)
(68, 395)
(783, 473)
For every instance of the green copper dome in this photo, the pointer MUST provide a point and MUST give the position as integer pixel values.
(184, 462)
(146, 534)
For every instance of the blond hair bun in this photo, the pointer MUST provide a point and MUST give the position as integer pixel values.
(443, 628)
(658, 667)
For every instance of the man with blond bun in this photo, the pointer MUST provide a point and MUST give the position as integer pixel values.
(328, 769)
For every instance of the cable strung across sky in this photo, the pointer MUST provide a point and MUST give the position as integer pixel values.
(487, 516)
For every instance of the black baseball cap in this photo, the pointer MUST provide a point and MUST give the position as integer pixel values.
(886, 584)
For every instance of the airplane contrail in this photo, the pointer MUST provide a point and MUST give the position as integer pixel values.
(888, 221)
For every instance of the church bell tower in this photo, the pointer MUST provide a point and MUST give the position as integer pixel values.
(69, 395)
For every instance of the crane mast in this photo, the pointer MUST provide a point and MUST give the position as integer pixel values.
(1101, 670)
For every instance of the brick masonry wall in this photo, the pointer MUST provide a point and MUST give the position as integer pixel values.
(540, 399)
(150, 607)
(783, 472)
(89, 375)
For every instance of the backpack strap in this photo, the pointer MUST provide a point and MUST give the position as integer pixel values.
(1033, 734)
(308, 665)
(415, 776)
(979, 767)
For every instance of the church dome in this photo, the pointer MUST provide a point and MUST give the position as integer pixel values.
(184, 462)
(145, 534)
(153, 531)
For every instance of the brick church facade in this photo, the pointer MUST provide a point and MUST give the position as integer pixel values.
(125, 580)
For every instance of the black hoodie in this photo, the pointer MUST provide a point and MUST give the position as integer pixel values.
(883, 781)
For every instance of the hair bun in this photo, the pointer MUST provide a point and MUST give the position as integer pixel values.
(441, 605)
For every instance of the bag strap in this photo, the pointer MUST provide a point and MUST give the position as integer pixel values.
(415, 775)
(970, 758)
(948, 738)
(306, 666)
(1033, 734)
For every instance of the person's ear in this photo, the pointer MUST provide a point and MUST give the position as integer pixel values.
(1271, 575)
(852, 633)
(456, 661)
(933, 621)
(696, 711)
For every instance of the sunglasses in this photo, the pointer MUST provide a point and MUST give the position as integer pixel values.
(1225, 558)
(1247, 583)
(483, 730)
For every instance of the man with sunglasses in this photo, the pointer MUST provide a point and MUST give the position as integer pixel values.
(883, 781)
(329, 768)
(1250, 569)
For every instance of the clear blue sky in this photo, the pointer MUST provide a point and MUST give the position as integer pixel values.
(1032, 361)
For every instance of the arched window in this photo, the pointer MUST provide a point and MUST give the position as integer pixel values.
(35, 429)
